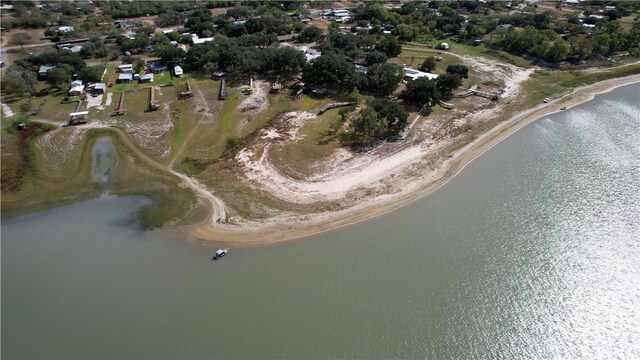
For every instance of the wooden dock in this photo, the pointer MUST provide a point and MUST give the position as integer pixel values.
(333, 106)
(153, 103)
(223, 92)
(120, 110)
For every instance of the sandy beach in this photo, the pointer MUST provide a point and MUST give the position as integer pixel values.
(282, 229)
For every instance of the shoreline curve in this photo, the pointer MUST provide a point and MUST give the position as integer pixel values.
(273, 232)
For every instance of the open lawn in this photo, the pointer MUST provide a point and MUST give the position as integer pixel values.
(318, 141)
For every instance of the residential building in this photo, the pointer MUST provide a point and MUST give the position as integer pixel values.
(66, 29)
(177, 71)
(125, 69)
(146, 78)
(42, 72)
(76, 90)
(125, 77)
(412, 74)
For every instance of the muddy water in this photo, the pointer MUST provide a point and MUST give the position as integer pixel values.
(531, 252)
(105, 159)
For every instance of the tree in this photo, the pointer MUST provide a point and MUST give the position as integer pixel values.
(461, 70)
(406, 32)
(210, 68)
(20, 39)
(354, 96)
(170, 54)
(13, 83)
(58, 77)
(140, 41)
(330, 69)
(310, 34)
(383, 79)
(367, 127)
(375, 57)
(288, 61)
(138, 65)
(91, 74)
(429, 64)
(446, 83)
(125, 43)
(558, 52)
(421, 91)
(395, 115)
(390, 46)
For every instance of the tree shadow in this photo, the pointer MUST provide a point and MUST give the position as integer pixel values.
(327, 136)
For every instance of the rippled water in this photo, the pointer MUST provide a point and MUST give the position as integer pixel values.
(531, 252)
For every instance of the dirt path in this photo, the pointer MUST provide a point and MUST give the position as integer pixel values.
(202, 103)
(216, 205)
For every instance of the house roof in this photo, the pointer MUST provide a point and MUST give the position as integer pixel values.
(125, 77)
(286, 37)
(99, 86)
(202, 40)
(177, 69)
(147, 77)
(45, 68)
(414, 74)
(79, 88)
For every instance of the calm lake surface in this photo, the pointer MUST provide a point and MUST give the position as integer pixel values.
(533, 251)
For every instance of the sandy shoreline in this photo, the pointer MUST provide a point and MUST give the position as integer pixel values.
(279, 231)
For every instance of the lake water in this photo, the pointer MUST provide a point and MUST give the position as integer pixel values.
(531, 252)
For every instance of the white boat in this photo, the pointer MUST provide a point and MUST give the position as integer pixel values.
(220, 253)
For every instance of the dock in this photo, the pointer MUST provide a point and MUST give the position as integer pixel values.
(120, 110)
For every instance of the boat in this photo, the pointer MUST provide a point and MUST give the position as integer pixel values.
(220, 253)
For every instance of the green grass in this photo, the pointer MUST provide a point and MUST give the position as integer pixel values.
(162, 79)
(170, 201)
(317, 143)
(177, 111)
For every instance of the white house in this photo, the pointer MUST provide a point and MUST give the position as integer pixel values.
(201, 40)
(146, 78)
(66, 29)
(177, 71)
(125, 69)
(413, 74)
(76, 90)
(125, 77)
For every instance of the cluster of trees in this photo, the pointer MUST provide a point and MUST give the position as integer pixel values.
(424, 91)
(546, 45)
(358, 46)
(333, 70)
(238, 55)
(22, 76)
(379, 120)
(268, 19)
(127, 9)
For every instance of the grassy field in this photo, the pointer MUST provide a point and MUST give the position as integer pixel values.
(300, 156)
(41, 190)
